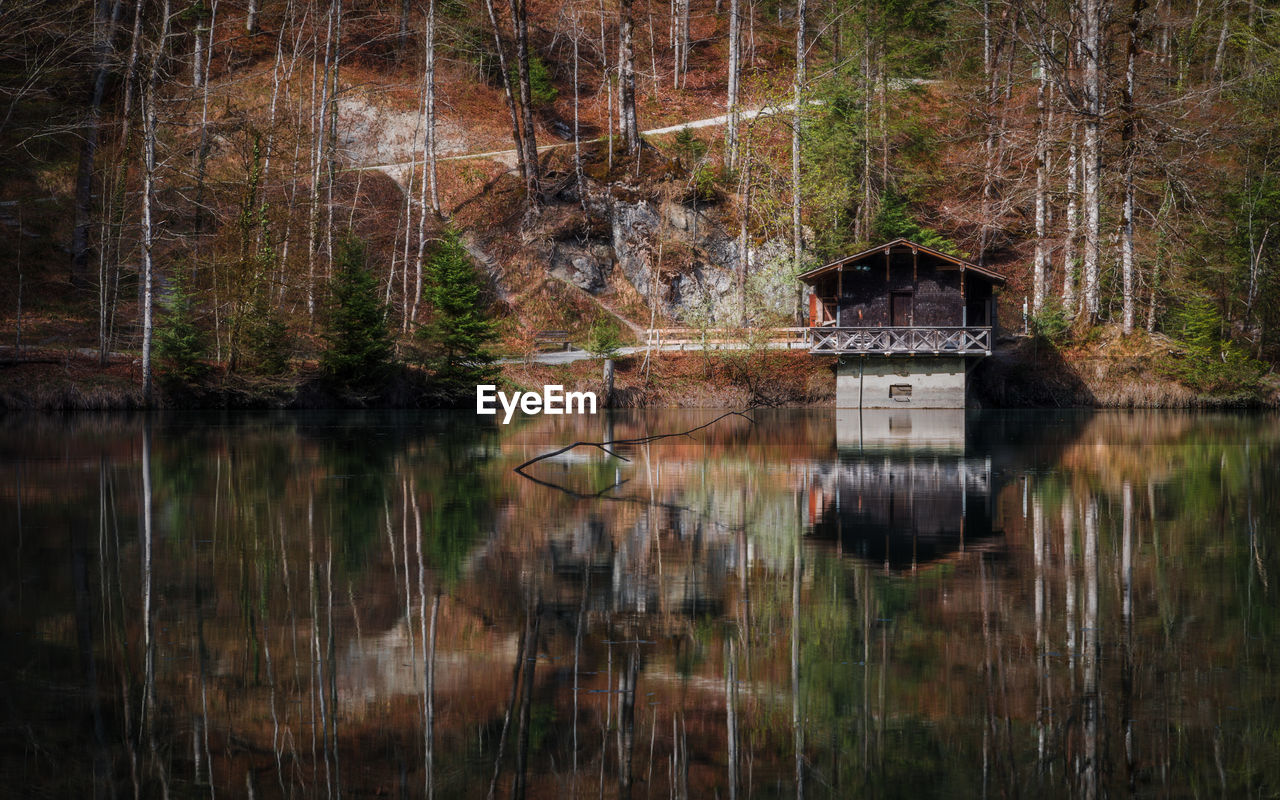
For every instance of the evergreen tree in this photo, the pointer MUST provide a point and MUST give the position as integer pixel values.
(456, 340)
(894, 220)
(358, 347)
(267, 341)
(181, 346)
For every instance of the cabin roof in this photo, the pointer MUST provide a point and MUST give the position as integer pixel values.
(901, 245)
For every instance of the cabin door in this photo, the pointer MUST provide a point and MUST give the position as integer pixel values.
(901, 311)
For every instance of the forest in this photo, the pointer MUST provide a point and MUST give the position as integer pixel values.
(237, 189)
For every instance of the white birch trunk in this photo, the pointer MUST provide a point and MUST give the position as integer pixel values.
(1069, 267)
(429, 143)
(149, 124)
(797, 233)
(1091, 152)
(1038, 270)
(627, 78)
(735, 69)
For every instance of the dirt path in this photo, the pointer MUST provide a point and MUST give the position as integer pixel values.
(397, 169)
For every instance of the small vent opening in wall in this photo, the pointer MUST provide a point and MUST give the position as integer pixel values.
(900, 392)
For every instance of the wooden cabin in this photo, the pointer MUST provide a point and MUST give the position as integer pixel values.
(902, 297)
(927, 314)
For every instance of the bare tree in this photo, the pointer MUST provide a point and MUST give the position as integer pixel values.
(533, 184)
(735, 71)
(1093, 23)
(516, 137)
(104, 26)
(627, 78)
(149, 125)
(1128, 136)
(797, 234)
(1039, 267)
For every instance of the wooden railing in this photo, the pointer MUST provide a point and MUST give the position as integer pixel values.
(887, 341)
(723, 338)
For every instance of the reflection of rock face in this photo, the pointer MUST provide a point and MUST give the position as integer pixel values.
(382, 666)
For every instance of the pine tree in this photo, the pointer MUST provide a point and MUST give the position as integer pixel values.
(358, 347)
(457, 338)
(181, 346)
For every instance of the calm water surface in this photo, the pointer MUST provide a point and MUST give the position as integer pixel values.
(811, 603)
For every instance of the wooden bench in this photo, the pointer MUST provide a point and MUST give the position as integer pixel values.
(559, 339)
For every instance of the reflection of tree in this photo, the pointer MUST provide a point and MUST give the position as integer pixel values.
(1130, 619)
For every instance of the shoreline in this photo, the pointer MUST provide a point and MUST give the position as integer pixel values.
(1021, 376)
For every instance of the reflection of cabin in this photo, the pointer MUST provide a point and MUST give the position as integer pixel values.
(902, 510)
(906, 321)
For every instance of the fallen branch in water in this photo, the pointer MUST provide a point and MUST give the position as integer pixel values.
(605, 447)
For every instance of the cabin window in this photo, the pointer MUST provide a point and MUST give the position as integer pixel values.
(900, 392)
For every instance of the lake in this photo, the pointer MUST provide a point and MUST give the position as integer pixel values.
(816, 603)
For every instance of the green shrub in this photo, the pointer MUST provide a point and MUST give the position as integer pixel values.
(688, 146)
(542, 91)
(894, 220)
(357, 343)
(1052, 324)
(181, 346)
(1212, 364)
(704, 183)
(268, 344)
(603, 340)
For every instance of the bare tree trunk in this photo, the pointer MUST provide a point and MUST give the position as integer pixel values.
(533, 188)
(1220, 52)
(1092, 16)
(516, 138)
(735, 72)
(318, 117)
(202, 150)
(681, 69)
(251, 18)
(331, 141)
(149, 124)
(104, 26)
(797, 233)
(627, 77)
(429, 144)
(744, 249)
(1069, 275)
(863, 229)
(577, 139)
(1128, 136)
(1039, 266)
(402, 37)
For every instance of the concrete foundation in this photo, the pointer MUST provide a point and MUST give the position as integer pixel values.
(900, 382)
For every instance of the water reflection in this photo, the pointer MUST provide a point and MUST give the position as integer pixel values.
(815, 603)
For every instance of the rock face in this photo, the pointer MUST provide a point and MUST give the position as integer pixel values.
(585, 266)
(696, 282)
